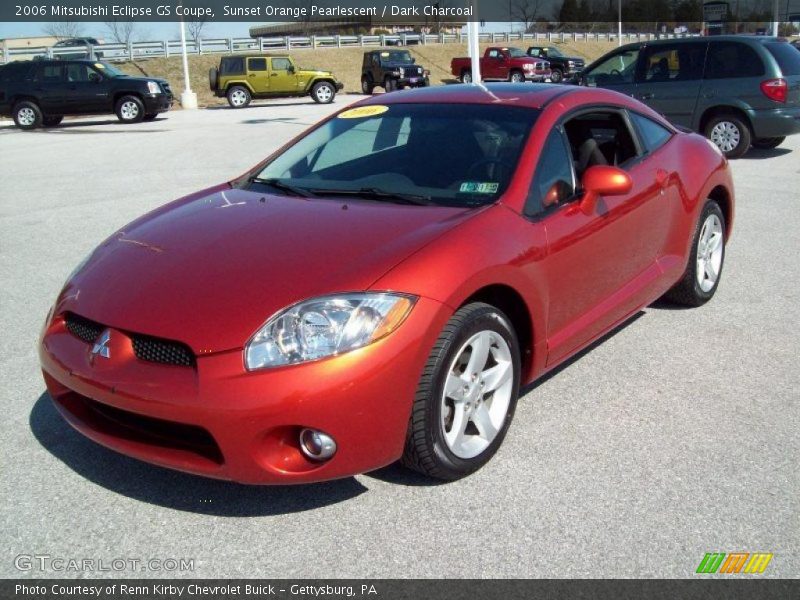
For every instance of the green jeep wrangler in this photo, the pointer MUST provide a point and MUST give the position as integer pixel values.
(242, 78)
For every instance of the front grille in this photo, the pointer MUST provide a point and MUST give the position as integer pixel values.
(145, 347)
(83, 329)
(162, 351)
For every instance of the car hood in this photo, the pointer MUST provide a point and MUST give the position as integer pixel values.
(210, 269)
(317, 72)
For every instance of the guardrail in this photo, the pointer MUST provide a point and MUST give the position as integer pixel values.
(166, 48)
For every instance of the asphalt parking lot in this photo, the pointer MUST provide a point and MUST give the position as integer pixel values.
(675, 436)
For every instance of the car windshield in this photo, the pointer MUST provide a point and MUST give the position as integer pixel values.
(554, 52)
(397, 56)
(109, 70)
(516, 53)
(435, 154)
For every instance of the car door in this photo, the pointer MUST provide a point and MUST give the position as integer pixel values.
(617, 71)
(282, 76)
(88, 91)
(50, 88)
(669, 77)
(257, 75)
(602, 265)
(495, 65)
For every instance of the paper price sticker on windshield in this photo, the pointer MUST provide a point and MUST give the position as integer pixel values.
(475, 187)
(364, 111)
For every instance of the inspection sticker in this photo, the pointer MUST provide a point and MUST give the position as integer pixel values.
(476, 187)
(364, 111)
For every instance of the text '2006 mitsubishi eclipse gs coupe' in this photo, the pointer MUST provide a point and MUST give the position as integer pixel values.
(380, 287)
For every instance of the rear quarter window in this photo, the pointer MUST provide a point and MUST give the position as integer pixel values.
(729, 60)
(652, 134)
(788, 58)
(14, 73)
(232, 66)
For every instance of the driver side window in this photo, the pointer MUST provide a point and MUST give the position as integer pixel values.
(618, 69)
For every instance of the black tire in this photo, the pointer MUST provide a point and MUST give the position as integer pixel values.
(389, 84)
(556, 76)
(768, 143)
(129, 109)
(213, 79)
(323, 92)
(741, 127)
(366, 86)
(150, 116)
(238, 96)
(52, 121)
(466, 76)
(687, 291)
(516, 76)
(426, 448)
(27, 115)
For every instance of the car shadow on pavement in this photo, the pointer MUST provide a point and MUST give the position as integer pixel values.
(761, 154)
(172, 489)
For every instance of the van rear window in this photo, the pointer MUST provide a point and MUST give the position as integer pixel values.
(788, 58)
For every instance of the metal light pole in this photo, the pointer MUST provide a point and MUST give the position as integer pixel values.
(775, 18)
(474, 51)
(619, 23)
(188, 97)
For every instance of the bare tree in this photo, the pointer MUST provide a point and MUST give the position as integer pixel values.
(122, 32)
(195, 28)
(63, 30)
(525, 11)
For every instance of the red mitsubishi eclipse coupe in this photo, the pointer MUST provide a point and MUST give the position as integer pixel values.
(380, 287)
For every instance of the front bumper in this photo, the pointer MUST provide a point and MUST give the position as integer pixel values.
(155, 103)
(219, 420)
(416, 81)
(777, 122)
(537, 75)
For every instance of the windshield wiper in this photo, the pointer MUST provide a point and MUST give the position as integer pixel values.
(379, 194)
(284, 187)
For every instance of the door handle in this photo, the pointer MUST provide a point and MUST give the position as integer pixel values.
(273, 74)
(647, 96)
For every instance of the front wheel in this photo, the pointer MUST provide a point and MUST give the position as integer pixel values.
(366, 86)
(768, 143)
(323, 92)
(730, 134)
(700, 281)
(238, 96)
(467, 395)
(516, 77)
(129, 109)
(389, 84)
(556, 76)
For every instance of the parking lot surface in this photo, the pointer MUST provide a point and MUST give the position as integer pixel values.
(675, 436)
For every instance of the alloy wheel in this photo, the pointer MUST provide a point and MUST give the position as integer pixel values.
(477, 394)
(324, 93)
(129, 110)
(709, 253)
(26, 117)
(238, 98)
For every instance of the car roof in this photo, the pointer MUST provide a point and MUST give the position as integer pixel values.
(755, 39)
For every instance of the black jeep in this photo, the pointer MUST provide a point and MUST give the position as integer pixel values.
(391, 69)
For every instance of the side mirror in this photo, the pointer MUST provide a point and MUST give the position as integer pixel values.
(602, 180)
(290, 69)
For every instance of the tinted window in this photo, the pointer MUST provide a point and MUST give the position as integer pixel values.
(618, 69)
(81, 72)
(788, 58)
(732, 59)
(281, 64)
(476, 150)
(652, 135)
(14, 72)
(553, 181)
(257, 64)
(50, 73)
(673, 62)
(232, 66)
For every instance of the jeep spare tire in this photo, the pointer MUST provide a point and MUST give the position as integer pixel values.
(213, 76)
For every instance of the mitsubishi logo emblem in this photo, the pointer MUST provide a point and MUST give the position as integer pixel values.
(101, 347)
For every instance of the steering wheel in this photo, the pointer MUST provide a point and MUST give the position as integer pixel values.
(488, 161)
(615, 72)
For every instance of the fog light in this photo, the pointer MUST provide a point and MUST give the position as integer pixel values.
(317, 445)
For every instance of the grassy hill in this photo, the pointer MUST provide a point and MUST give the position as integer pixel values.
(344, 62)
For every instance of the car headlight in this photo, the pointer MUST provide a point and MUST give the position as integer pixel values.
(153, 87)
(326, 326)
(570, 63)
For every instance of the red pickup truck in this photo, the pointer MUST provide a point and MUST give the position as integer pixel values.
(506, 64)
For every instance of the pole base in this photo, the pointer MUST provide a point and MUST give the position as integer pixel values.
(188, 100)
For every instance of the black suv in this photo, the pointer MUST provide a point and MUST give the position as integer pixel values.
(736, 90)
(41, 92)
(391, 69)
(562, 67)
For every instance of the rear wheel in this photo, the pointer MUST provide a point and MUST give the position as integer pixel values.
(129, 109)
(238, 96)
(323, 92)
(556, 76)
(768, 143)
(52, 121)
(27, 115)
(700, 281)
(729, 133)
(467, 394)
(366, 85)
(466, 76)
